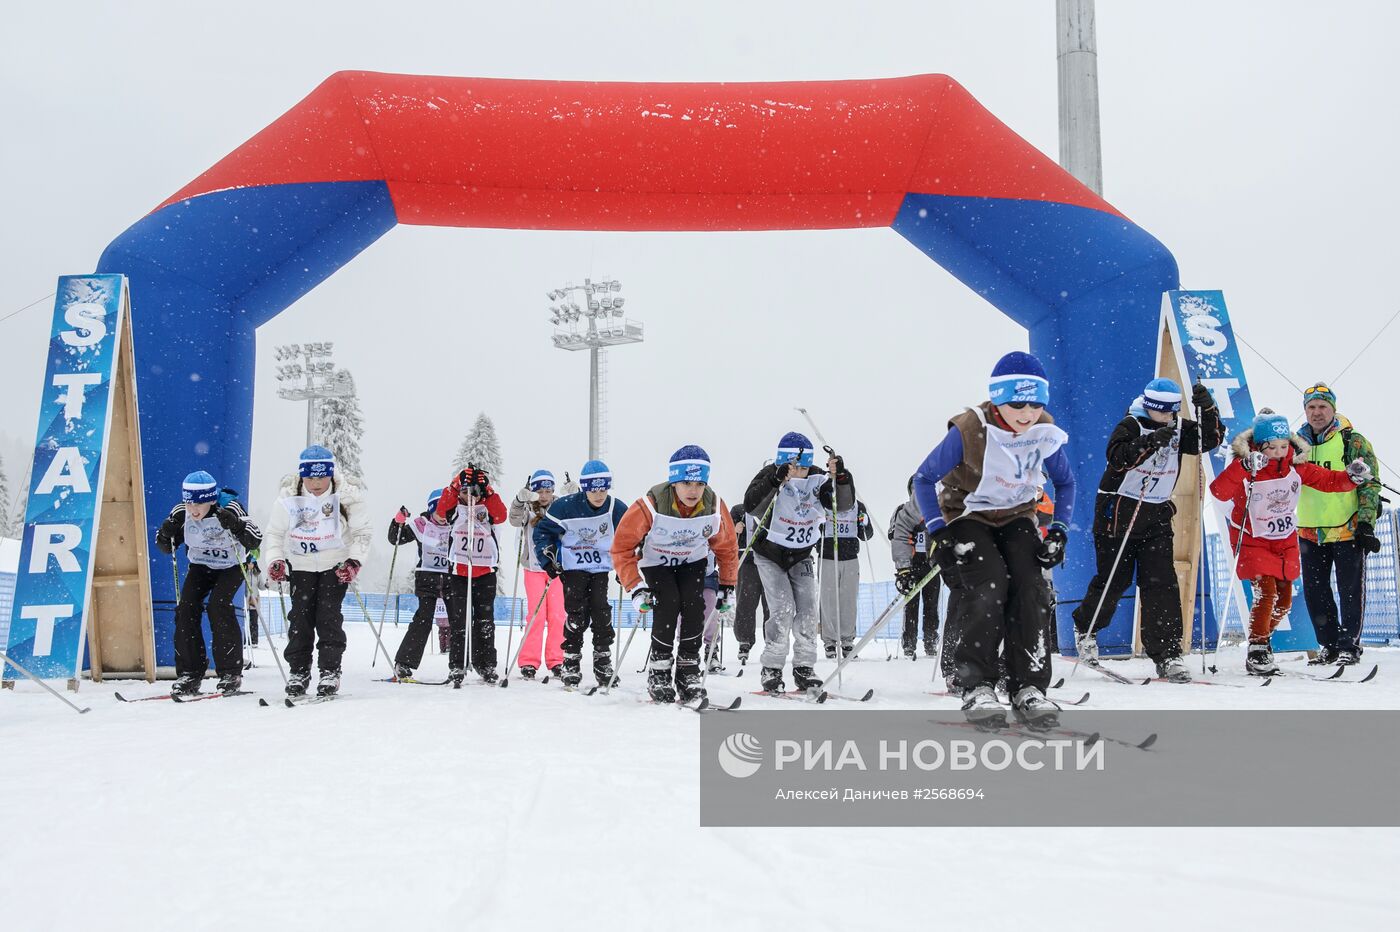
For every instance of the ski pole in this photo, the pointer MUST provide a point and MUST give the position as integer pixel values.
(47, 688)
(384, 612)
(515, 591)
(287, 621)
(607, 688)
(267, 633)
(534, 617)
(175, 570)
(897, 605)
(719, 639)
(1234, 569)
(471, 568)
(364, 609)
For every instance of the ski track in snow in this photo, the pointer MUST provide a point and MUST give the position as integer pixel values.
(499, 808)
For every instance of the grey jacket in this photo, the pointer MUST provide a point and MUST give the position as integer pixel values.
(905, 525)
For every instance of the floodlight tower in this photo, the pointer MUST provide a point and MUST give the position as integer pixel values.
(309, 375)
(605, 327)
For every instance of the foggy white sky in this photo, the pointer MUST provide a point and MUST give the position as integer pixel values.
(1256, 140)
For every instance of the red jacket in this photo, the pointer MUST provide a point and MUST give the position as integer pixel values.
(494, 507)
(1263, 556)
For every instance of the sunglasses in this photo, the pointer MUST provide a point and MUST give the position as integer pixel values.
(1319, 388)
(1018, 405)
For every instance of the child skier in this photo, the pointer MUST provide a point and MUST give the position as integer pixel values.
(573, 542)
(660, 550)
(1263, 482)
(794, 496)
(840, 574)
(216, 533)
(544, 637)
(749, 594)
(983, 534)
(474, 555)
(317, 538)
(1133, 521)
(433, 535)
(909, 549)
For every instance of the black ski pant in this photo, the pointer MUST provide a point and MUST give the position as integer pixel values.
(218, 586)
(429, 587)
(927, 598)
(1150, 560)
(748, 597)
(586, 605)
(315, 620)
(483, 622)
(1335, 632)
(1000, 595)
(678, 601)
(251, 613)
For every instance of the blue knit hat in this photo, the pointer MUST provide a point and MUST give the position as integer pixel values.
(541, 479)
(1320, 392)
(1270, 426)
(1019, 377)
(794, 448)
(433, 498)
(1162, 395)
(316, 462)
(689, 464)
(595, 476)
(199, 487)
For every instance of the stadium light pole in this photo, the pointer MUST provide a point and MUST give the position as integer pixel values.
(595, 326)
(309, 375)
(1077, 56)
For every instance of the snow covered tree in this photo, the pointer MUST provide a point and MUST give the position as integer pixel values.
(13, 502)
(340, 426)
(480, 447)
(4, 500)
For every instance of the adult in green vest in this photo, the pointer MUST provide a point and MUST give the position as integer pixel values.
(1336, 530)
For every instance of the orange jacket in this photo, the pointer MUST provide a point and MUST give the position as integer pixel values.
(636, 524)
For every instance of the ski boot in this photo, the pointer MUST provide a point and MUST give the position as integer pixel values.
(186, 685)
(771, 678)
(715, 666)
(230, 683)
(1346, 658)
(848, 648)
(805, 679)
(931, 647)
(329, 683)
(1260, 661)
(557, 671)
(688, 688)
(1088, 647)
(1326, 656)
(488, 675)
(297, 681)
(659, 686)
(603, 670)
(950, 682)
(402, 672)
(830, 651)
(1173, 670)
(456, 676)
(570, 673)
(982, 708)
(528, 672)
(1034, 709)
(744, 653)
(910, 652)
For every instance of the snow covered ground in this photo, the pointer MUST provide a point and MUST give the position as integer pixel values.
(492, 809)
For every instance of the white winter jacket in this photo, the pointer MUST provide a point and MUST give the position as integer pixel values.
(354, 533)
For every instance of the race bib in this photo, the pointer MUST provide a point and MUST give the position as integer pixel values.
(436, 540)
(1154, 479)
(587, 542)
(473, 538)
(673, 541)
(1273, 507)
(1011, 466)
(797, 514)
(315, 523)
(209, 544)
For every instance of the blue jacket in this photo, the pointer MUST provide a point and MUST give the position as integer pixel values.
(548, 532)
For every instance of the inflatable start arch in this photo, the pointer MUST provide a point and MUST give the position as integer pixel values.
(365, 151)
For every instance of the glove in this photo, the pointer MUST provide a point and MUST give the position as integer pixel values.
(164, 544)
(1201, 398)
(1360, 473)
(641, 600)
(724, 598)
(552, 567)
(226, 518)
(525, 496)
(1052, 548)
(837, 467)
(1255, 461)
(401, 515)
(903, 580)
(1161, 437)
(483, 483)
(1366, 537)
(277, 570)
(942, 549)
(780, 474)
(347, 571)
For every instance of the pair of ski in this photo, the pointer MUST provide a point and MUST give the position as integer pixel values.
(945, 694)
(292, 702)
(1021, 730)
(1335, 677)
(816, 695)
(698, 705)
(196, 697)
